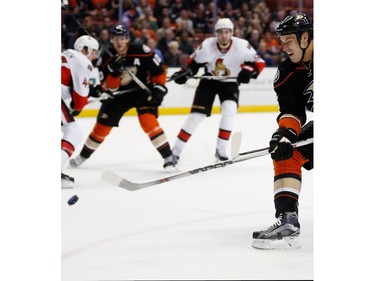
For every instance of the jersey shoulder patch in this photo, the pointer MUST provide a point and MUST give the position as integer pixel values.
(146, 48)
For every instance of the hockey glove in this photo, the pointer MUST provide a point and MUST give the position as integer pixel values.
(180, 77)
(99, 92)
(116, 65)
(72, 110)
(158, 93)
(281, 144)
(247, 72)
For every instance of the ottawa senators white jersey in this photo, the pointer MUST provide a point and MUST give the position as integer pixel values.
(76, 70)
(225, 62)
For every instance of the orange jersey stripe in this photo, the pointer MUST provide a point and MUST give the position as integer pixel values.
(282, 82)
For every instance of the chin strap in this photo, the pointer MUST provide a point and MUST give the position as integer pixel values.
(303, 50)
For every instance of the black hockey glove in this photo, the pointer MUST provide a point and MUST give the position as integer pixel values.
(99, 92)
(158, 93)
(281, 144)
(247, 72)
(116, 65)
(180, 77)
(72, 110)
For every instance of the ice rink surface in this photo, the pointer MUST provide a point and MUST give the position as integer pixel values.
(194, 228)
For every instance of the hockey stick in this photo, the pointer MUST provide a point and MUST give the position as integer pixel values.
(179, 76)
(115, 179)
(213, 77)
(235, 144)
(115, 94)
(139, 82)
(203, 77)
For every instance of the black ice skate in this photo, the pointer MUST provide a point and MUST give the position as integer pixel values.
(66, 181)
(220, 156)
(170, 164)
(76, 162)
(284, 234)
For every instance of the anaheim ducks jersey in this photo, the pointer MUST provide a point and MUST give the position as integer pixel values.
(226, 62)
(76, 71)
(294, 86)
(142, 62)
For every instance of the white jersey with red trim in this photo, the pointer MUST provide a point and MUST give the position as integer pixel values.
(225, 62)
(76, 70)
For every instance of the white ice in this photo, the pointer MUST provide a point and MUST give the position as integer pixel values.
(197, 227)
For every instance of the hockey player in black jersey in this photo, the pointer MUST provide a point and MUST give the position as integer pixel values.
(294, 86)
(131, 62)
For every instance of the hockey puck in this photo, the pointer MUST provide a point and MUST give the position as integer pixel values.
(73, 200)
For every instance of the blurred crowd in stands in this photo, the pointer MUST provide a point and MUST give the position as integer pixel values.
(174, 28)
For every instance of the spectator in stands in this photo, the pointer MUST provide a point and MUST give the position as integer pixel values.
(104, 41)
(242, 26)
(273, 45)
(256, 22)
(200, 21)
(149, 17)
(176, 8)
(244, 9)
(129, 13)
(161, 10)
(151, 42)
(163, 42)
(186, 44)
(144, 30)
(184, 23)
(265, 54)
(172, 56)
(254, 38)
(280, 16)
(166, 24)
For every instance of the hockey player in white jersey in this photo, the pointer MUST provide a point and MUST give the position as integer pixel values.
(222, 56)
(76, 71)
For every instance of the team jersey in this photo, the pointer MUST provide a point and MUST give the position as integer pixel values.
(142, 62)
(226, 62)
(76, 71)
(294, 86)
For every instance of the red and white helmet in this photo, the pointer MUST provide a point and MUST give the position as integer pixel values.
(224, 23)
(88, 42)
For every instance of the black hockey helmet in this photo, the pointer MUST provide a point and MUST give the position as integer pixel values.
(295, 24)
(119, 30)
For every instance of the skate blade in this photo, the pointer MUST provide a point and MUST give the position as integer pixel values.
(286, 243)
(171, 169)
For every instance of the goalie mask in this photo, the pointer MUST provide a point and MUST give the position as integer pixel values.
(86, 42)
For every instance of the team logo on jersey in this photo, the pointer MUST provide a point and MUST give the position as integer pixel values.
(309, 94)
(220, 69)
(89, 67)
(126, 78)
(277, 76)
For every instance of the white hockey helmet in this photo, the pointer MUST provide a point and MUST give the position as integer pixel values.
(224, 23)
(88, 42)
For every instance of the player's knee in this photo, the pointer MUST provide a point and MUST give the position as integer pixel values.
(196, 117)
(100, 131)
(148, 122)
(72, 133)
(229, 108)
(290, 166)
